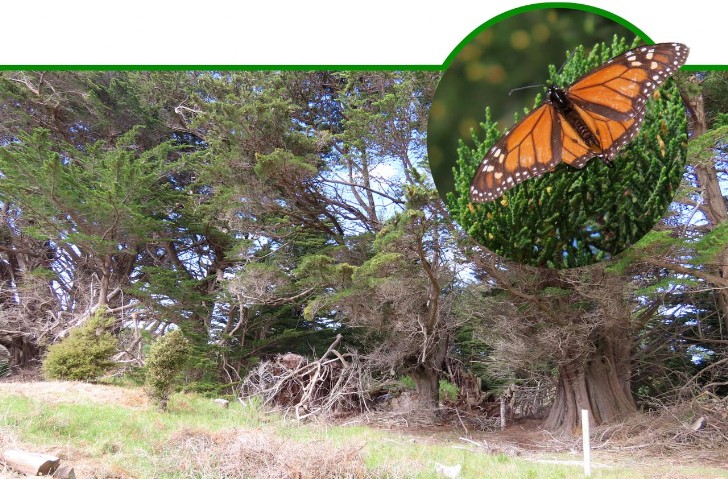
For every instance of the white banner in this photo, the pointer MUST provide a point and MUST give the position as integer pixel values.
(375, 32)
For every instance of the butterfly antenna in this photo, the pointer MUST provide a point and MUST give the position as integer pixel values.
(526, 87)
(563, 64)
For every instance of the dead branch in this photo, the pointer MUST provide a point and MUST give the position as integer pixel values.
(324, 387)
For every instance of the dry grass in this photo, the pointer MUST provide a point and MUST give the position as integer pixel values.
(8, 440)
(256, 454)
(699, 426)
(77, 392)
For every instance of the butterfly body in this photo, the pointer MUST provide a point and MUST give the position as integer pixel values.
(596, 116)
(560, 101)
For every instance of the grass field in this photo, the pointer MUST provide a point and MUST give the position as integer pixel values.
(123, 436)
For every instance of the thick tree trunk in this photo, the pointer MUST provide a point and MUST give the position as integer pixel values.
(598, 383)
(103, 298)
(426, 374)
(427, 382)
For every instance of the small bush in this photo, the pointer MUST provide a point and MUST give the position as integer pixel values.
(85, 354)
(448, 391)
(164, 363)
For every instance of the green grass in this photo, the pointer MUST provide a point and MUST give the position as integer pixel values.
(132, 440)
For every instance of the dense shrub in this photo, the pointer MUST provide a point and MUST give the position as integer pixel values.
(165, 361)
(85, 354)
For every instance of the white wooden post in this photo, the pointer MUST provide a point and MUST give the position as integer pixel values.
(585, 440)
(503, 412)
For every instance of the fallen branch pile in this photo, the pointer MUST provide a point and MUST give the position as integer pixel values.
(335, 384)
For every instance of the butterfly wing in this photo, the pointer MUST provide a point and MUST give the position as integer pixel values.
(612, 135)
(527, 150)
(611, 102)
(611, 99)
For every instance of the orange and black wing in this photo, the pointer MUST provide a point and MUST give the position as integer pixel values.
(611, 99)
(527, 150)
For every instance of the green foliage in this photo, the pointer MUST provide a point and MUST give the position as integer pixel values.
(701, 149)
(166, 359)
(569, 218)
(721, 120)
(184, 294)
(711, 245)
(85, 354)
(406, 382)
(100, 196)
(473, 352)
(284, 164)
(713, 86)
(448, 391)
(381, 265)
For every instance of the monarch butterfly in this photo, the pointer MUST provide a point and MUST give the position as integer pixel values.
(596, 116)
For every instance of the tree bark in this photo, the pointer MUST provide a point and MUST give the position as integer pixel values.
(598, 383)
(427, 383)
(426, 374)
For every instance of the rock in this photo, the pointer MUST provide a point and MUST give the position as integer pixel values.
(65, 472)
(451, 472)
(698, 424)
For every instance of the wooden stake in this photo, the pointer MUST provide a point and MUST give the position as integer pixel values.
(585, 441)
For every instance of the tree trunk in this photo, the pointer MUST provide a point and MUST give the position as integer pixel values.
(427, 382)
(598, 383)
(105, 282)
(426, 374)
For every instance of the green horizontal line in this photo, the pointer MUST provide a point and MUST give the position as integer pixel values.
(700, 68)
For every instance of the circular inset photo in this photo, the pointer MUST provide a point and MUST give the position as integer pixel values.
(556, 136)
